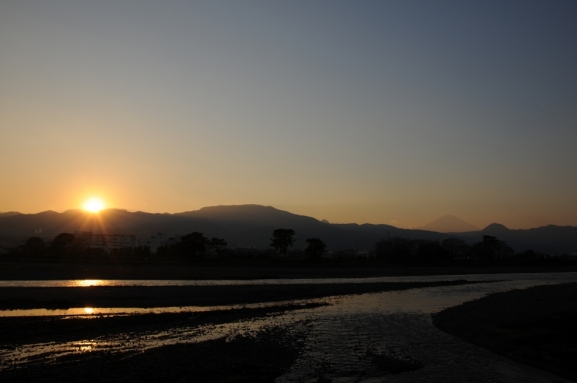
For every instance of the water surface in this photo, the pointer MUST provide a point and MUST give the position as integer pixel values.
(342, 338)
(166, 282)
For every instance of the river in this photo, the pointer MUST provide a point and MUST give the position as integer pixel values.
(393, 326)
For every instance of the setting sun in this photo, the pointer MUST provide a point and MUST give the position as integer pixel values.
(93, 205)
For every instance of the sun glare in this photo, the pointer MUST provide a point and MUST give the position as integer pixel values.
(87, 282)
(93, 205)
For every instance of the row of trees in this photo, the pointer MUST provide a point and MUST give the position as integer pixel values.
(283, 239)
(195, 245)
(405, 250)
(192, 245)
(70, 245)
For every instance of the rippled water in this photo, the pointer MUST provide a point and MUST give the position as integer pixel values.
(165, 282)
(345, 339)
(94, 312)
(356, 339)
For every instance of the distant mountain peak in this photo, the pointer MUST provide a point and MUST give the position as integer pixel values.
(495, 228)
(245, 207)
(48, 212)
(233, 210)
(72, 211)
(246, 226)
(247, 213)
(9, 213)
(449, 224)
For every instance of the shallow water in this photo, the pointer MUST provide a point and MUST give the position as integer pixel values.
(95, 312)
(296, 281)
(349, 340)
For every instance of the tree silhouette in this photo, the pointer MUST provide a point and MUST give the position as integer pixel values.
(455, 247)
(34, 246)
(282, 239)
(194, 244)
(395, 249)
(218, 244)
(407, 250)
(491, 248)
(67, 244)
(315, 248)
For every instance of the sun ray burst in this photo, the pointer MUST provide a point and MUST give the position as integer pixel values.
(93, 205)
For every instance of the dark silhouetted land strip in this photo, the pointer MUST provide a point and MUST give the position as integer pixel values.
(536, 326)
(247, 269)
(171, 296)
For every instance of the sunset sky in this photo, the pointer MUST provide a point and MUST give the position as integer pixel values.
(393, 112)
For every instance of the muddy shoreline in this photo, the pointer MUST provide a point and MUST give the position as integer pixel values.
(258, 358)
(534, 326)
(175, 296)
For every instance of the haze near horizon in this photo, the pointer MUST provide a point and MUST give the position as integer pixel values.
(369, 112)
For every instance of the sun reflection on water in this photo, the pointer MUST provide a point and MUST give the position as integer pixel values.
(88, 282)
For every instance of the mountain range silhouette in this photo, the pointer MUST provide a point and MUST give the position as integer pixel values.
(450, 224)
(252, 226)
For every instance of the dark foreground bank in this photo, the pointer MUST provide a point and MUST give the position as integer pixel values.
(535, 326)
(258, 358)
(175, 296)
(249, 269)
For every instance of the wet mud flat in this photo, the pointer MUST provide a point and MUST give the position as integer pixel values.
(535, 326)
(18, 331)
(379, 337)
(255, 357)
(118, 347)
(174, 296)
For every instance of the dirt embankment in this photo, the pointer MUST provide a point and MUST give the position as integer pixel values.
(536, 326)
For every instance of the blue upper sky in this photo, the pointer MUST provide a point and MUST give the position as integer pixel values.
(355, 111)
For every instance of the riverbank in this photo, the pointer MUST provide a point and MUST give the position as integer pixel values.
(535, 326)
(176, 296)
(248, 269)
(260, 357)
(365, 336)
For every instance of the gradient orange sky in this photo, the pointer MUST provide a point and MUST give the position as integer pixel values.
(391, 112)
